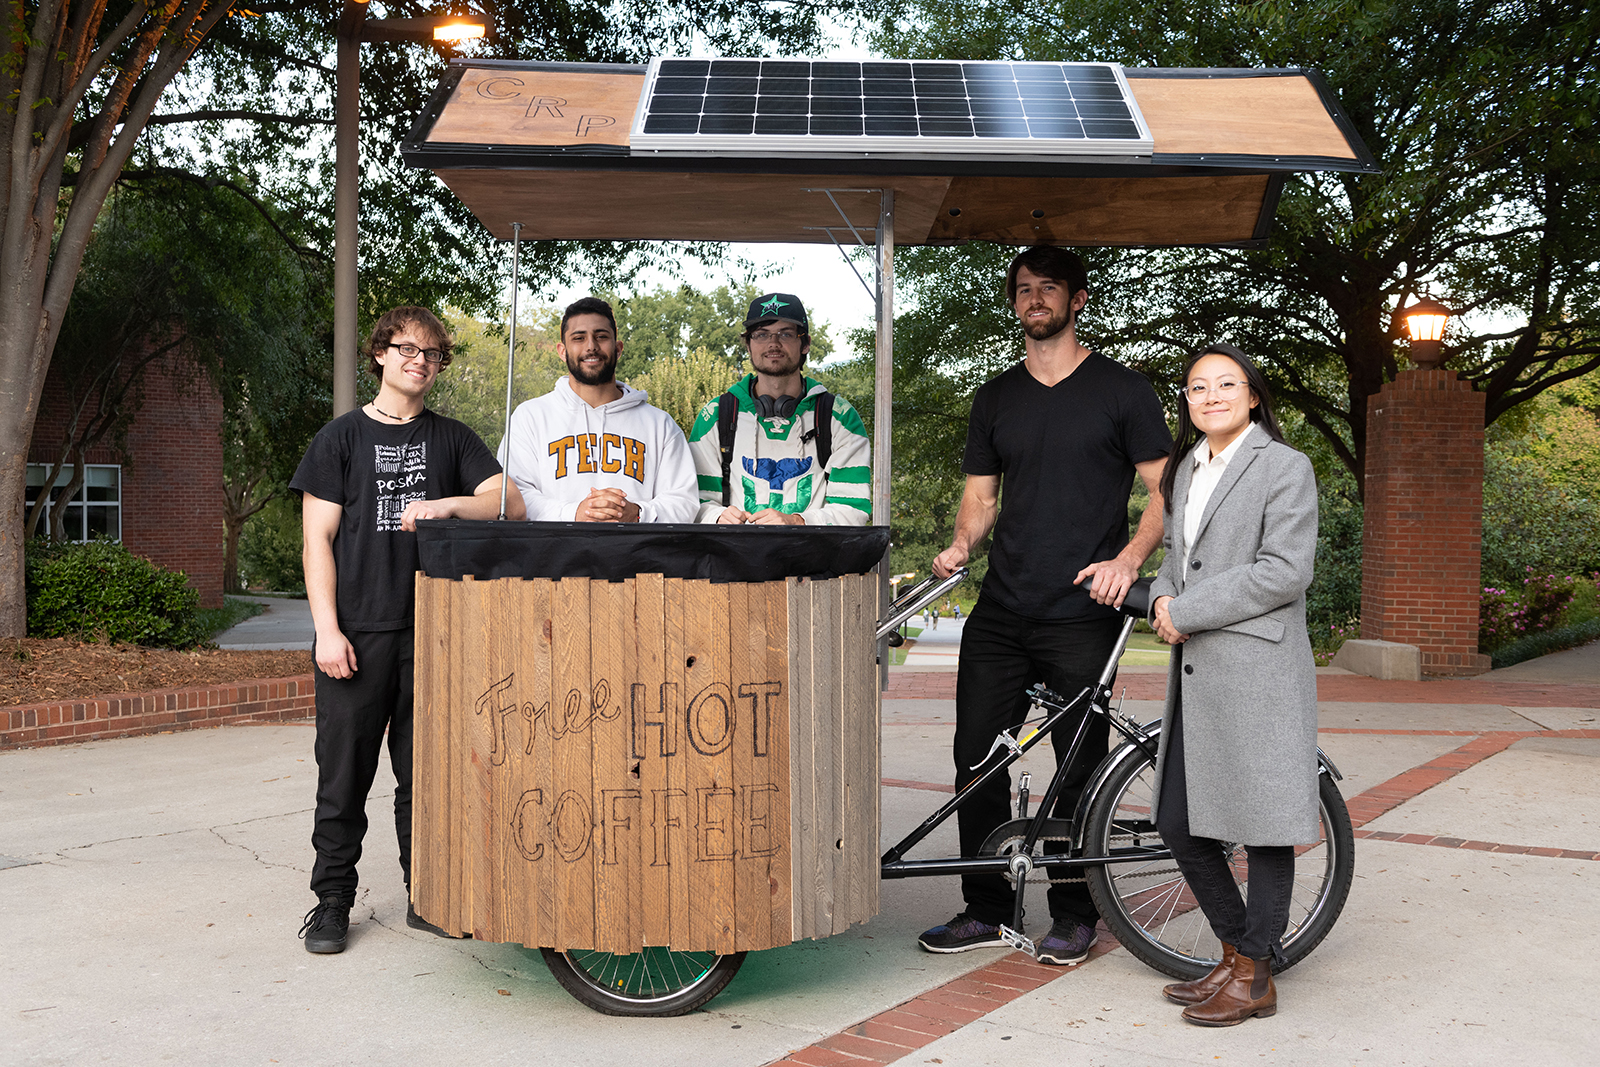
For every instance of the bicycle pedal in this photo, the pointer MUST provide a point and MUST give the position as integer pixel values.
(1018, 940)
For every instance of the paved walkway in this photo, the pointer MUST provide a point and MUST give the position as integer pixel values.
(150, 890)
(286, 624)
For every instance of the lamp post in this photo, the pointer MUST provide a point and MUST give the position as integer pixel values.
(354, 28)
(1425, 321)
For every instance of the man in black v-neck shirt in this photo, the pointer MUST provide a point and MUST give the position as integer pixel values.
(1064, 432)
(367, 478)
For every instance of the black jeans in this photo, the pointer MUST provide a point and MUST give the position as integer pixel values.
(352, 715)
(1255, 929)
(1002, 654)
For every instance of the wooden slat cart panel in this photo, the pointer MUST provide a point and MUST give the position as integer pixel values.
(652, 761)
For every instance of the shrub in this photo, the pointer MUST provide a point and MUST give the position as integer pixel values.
(1333, 603)
(1507, 615)
(269, 548)
(100, 589)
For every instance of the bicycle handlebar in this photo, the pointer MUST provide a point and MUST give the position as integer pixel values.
(915, 599)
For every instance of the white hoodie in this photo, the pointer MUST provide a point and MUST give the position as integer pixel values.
(561, 448)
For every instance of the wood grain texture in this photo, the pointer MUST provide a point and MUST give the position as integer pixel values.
(670, 809)
(618, 811)
(613, 765)
(828, 761)
(1280, 115)
(1201, 209)
(570, 804)
(780, 872)
(652, 738)
(803, 830)
(539, 107)
(710, 720)
(634, 206)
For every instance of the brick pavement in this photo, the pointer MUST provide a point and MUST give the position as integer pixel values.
(891, 1035)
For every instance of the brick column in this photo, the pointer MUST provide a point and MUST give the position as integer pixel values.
(1422, 538)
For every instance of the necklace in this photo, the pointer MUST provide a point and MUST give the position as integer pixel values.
(396, 418)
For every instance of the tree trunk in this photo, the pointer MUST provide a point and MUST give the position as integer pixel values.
(63, 499)
(237, 508)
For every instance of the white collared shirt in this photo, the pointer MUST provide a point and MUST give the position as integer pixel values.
(1208, 471)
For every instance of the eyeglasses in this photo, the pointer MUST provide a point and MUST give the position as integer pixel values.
(1197, 393)
(432, 355)
(762, 337)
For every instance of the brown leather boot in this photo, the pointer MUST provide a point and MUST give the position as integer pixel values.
(1248, 991)
(1199, 991)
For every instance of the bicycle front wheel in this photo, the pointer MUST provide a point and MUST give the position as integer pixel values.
(654, 981)
(1147, 904)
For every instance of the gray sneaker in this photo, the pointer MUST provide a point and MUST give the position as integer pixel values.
(1068, 942)
(960, 934)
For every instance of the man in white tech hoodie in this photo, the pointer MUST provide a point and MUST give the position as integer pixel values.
(593, 449)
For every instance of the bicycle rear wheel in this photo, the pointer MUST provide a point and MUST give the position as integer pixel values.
(654, 981)
(1147, 903)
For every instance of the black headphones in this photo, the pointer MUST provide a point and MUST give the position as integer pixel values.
(777, 407)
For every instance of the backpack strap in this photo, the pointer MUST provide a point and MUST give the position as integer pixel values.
(824, 427)
(727, 421)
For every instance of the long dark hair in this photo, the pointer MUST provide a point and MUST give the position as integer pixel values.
(1189, 435)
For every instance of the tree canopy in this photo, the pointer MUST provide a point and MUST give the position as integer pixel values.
(1482, 117)
(245, 106)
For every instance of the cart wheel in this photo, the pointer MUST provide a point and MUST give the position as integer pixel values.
(655, 981)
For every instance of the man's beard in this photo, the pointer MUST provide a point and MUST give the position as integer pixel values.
(606, 373)
(1043, 331)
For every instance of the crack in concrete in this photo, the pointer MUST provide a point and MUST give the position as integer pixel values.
(216, 832)
(179, 833)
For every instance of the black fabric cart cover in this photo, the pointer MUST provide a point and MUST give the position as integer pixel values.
(485, 549)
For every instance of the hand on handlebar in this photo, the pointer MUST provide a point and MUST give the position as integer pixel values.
(949, 561)
(1112, 580)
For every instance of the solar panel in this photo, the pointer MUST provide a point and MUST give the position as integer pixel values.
(932, 107)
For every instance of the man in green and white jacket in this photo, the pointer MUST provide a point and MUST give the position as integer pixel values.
(778, 447)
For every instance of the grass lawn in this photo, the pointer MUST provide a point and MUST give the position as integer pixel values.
(232, 612)
(1145, 650)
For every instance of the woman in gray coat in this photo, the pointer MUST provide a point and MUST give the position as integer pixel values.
(1238, 759)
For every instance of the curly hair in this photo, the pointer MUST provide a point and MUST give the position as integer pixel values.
(401, 318)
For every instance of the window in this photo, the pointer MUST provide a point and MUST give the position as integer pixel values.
(95, 510)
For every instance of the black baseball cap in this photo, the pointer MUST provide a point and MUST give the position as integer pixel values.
(775, 307)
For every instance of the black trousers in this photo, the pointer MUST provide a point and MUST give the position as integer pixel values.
(352, 715)
(1002, 655)
(1255, 928)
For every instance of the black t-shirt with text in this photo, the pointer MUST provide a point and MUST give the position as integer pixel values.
(1065, 455)
(373, 470)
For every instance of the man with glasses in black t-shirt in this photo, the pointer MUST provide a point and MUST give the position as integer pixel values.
(1064, 432)
(365, 481)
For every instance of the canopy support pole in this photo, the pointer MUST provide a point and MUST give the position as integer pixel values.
(883, 391)
(883, 405)
(511, 363)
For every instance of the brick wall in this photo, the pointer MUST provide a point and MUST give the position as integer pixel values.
(171, 469)
(164, 711)
(1422, 539)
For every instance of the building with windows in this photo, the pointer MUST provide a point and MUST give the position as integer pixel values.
(159, 489)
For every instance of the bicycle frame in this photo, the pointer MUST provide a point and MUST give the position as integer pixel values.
(1142, 740)
(1015, 744)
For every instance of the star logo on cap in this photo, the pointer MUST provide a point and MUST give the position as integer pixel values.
(771, 306)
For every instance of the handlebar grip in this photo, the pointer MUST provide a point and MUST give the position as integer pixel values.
(1137, 602)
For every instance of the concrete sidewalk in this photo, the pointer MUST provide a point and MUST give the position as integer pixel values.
(151, 888)
(285, 624)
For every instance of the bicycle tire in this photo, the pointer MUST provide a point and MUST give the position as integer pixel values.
(1148, 906)
(657, 982)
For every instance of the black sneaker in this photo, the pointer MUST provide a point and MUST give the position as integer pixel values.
(417, 922)
(1068, 942)
(327, 925)
(960, 934)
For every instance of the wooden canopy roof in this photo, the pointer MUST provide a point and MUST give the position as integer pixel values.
(547, 145)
